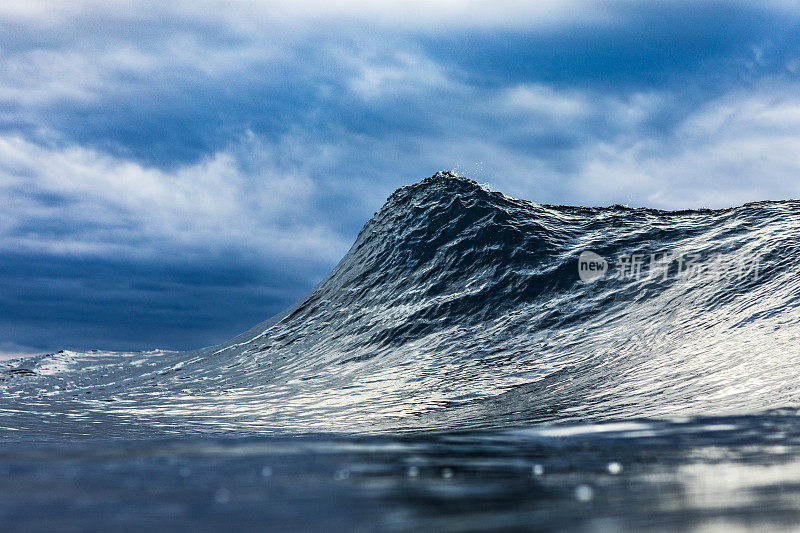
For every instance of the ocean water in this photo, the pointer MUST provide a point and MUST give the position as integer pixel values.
(457, 370)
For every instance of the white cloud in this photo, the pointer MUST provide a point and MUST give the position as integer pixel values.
(737, 149)
(43, 76)
(250, 14)
(82, 75)
(541, 99)
(112, 206)
(402, 73)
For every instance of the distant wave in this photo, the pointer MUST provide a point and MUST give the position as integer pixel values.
(458, 307)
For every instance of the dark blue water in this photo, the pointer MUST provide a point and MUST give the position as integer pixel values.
(453, 372)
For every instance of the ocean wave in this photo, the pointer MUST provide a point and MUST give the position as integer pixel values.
(457, 308)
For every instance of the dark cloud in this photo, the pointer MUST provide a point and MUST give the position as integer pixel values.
(664, 43)
(51, 303)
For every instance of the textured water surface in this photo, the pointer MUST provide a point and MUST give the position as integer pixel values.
(452, 371)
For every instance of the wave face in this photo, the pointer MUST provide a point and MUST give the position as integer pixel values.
(461, 308)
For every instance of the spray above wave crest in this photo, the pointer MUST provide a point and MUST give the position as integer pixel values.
(458, 307)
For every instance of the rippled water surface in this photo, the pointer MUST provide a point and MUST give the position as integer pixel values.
(452, 372)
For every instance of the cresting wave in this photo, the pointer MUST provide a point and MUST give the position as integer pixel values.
(460, 308)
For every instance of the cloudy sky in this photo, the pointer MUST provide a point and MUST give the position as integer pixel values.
(172, 175)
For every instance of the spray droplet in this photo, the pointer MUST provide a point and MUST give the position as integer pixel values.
(584, 493)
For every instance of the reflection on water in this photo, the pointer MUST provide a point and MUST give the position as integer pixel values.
(703, 475)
